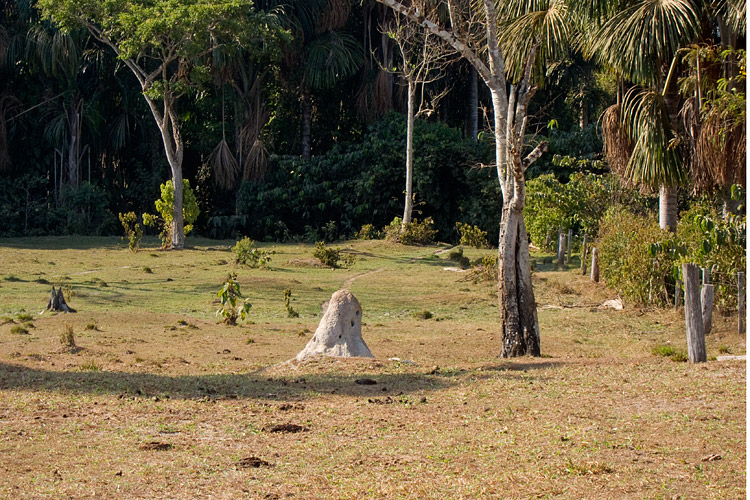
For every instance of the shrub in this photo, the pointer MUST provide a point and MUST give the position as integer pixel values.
(668, 351)
(718, 243)
(246, 253)
(18, 330)
(327, 256)
(415, 232)
(368, 232)
(231, 307)
(288, 304)
(165, 208)
(423, 314)
(637, 258)
(472, 236)
(67, 337)
(484, 269)
(457, 255)
(133, 230)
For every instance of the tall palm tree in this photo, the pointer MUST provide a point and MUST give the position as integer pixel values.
(640, 41)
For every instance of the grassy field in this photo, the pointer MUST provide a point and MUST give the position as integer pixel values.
(159, 400)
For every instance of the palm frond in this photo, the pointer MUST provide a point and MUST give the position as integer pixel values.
(640, 38)
(617, 143)
(331, 57)
(656, 159)
(224, 165)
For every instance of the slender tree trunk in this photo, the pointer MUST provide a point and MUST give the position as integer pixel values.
(74, 144)
(178, 222)
(668, 208)
(473, 104)
(408, 202)
(306, 123)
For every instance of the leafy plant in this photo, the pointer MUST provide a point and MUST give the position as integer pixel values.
(415, 232)
(472, 236)
(232, 308)
(368, 232)
(133, 230)
(484, 269)
(165, 208)
(245, 252)
(288, 304)
(327, 256)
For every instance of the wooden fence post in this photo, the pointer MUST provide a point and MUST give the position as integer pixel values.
(595, 265)
(696, 340)
(584, 250)
(560, 249)
(741, 303)
(707, 306)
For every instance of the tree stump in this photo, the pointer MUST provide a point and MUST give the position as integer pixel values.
(57, 302)
(339, 333)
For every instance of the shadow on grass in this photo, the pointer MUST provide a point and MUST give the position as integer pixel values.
(300, 386)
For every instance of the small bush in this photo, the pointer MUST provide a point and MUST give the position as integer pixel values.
(472, 236)
(24, 317)
(133, 230)
(246, 253)
(67, 337)
(629, 260)
(90, 366)
(457, 255)
(484, 269)
(368, 232)
(415, 232)
(165, 208)
(423, 314)
(230, 295)
(327, 256)
(288, 304)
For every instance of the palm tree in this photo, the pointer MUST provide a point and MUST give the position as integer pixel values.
(639, 40)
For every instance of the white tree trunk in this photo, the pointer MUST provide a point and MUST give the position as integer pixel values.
(408, 201)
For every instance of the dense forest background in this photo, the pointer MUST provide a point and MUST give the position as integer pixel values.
(303, 140)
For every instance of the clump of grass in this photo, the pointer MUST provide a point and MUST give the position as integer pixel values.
(68, 338)
(18, 330)
(91, 326)
(250, 341)
(147, 270)
(90, 366)
(668, 351)
(724, 350)
(423, 314)
(24, 317)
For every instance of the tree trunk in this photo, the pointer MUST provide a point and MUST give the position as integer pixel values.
(668, 208)
(473, 105)
(408, 202)
(306, 123)
(74, 143)
(518, 316)
(178, 221)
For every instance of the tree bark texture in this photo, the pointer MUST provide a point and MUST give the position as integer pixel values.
(516, 295)
(409, 196)
(560, 249)
(696, 340)
(595, 265)
(668, 208)
(57, 302)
